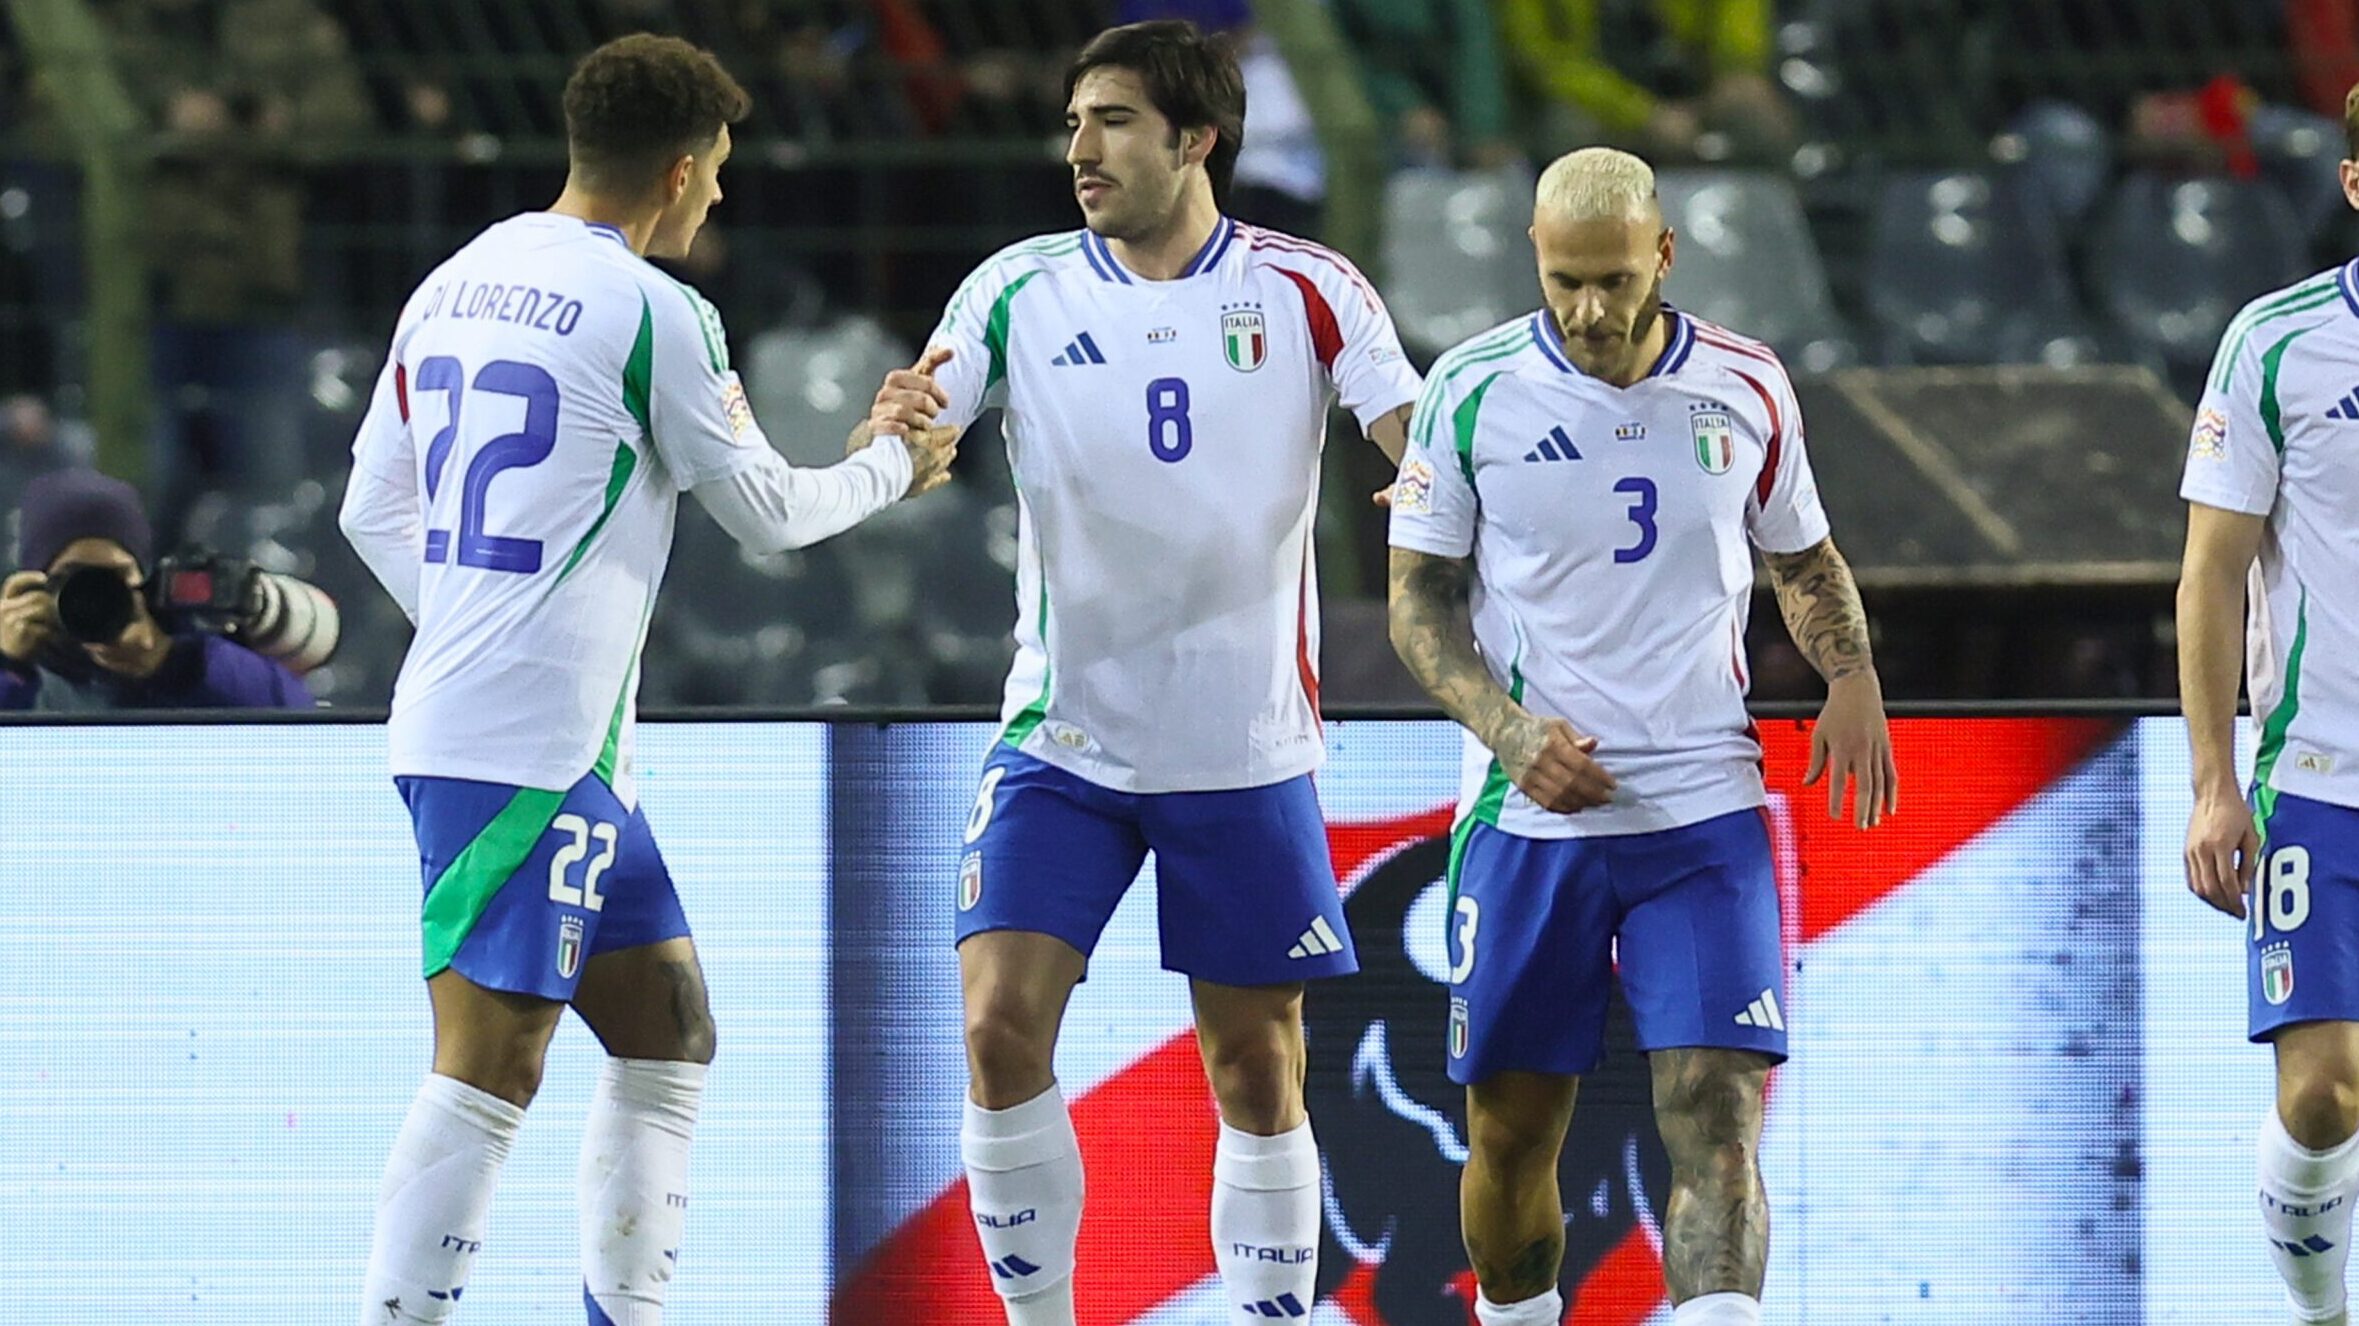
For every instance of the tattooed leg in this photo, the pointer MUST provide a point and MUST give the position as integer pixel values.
(1508, 1202)
(1716, 1230)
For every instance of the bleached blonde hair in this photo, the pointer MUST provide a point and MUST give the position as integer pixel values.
(1598, 184)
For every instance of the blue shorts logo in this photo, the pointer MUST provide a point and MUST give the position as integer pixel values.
(569, 946)
(1457, 1028)
(2277, 973)
(970, 881)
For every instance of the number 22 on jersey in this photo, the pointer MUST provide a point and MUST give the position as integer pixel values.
(527, 446)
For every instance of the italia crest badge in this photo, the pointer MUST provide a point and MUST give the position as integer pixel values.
(1244, 338)
(2277, 973)
(1715, 440)
(1458, 1032)
(569, 947)
(970, 881)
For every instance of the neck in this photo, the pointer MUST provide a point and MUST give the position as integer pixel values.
(637, 221)
(1643, 355)
(1163, 255)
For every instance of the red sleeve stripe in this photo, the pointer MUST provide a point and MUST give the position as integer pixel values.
(1725, 339)
(401, 389)
(1326, 336)
(1768, 480)
(1277, 243)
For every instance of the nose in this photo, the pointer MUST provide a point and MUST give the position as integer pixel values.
(1082, 149)
(1587, 308)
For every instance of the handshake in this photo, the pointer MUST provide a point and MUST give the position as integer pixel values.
(905, 408)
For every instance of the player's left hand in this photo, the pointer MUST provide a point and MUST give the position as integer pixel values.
(1851, 745)
(910, 398)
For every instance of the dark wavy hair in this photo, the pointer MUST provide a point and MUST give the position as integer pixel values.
(639, 103)
(1191, 78)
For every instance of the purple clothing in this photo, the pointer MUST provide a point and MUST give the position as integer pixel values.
(1210, 15)
(201, 672)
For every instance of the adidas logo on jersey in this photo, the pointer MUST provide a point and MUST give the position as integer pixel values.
(1081, 350)
(1316, 942)
(2346, 408)
(1284, 1305)
(1762, 1013)
(1558, 445)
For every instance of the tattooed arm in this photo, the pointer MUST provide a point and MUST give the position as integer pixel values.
(1434, 636)
(1816, 596)
(1820, 602)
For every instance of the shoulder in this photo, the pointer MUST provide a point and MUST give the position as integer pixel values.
(2272, 319)
(1041, 253)
(1502, 349)
(679, 312)
(1305, 262)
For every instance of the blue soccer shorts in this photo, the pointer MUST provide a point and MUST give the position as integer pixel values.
(2302, 938)
(524, 886)
(1245, 889)
(1538, 927)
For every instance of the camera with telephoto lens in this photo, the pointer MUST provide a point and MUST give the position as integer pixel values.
(197, 589)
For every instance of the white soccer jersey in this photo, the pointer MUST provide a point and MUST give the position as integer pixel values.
(2277, 435)
(548, 397)
(1612, 531)
(1165, 438)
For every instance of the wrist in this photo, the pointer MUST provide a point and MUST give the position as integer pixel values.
(2220, 785)
(1861, 678)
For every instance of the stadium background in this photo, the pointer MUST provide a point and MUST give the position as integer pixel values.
(1996, 248)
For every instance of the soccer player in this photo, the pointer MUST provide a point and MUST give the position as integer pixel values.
(1589, 482)
(1166, 374)
(2272, 487)
(548, 397)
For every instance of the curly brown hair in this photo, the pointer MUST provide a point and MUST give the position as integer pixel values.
(639, 103)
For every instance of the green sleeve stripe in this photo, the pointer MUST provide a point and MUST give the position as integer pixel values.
(1446, 371)
(2272, 411)
(2303, 299)
(995, 328)
(638, 381)
(465, 888)
(2280, 719)
(1047, 247)
(708, 321)
(1462, 422)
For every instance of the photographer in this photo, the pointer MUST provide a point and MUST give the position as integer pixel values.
(85, 545)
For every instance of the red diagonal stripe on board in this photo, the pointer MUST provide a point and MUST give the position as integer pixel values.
(1147, 1133)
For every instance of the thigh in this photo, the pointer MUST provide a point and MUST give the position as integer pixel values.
(1701, 942)
(1047, 852)
(648, 1002)
(1531, 956)
(1708, 1099)
(1520, 1117)
(1245, 887)
(630, 888)
(492, 1040)
(2302, 941)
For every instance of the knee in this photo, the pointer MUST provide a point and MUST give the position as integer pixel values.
(2319, 1110)
(1011, 1047)
(1257, 1079)
(1711, 1127)
(699, 1038)
(515, 1079)
(1509, 1146)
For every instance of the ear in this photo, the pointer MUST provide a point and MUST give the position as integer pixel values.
(1196, 144)
(1668, 248)
(675, 180)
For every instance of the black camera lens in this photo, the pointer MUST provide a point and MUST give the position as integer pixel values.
(93, 604)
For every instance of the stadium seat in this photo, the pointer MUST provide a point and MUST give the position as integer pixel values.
(2067, 158)
(1746, 260)
(1456, 258)
(1968, 268)
(810, 385)
(2177, 258)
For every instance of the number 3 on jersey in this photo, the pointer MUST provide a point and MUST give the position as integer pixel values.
(1170, 434)
(528, 446)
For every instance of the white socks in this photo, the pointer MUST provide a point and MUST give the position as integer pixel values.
(2306, 1214)
(1546, 1310)
(1727, 1309)
(633, 1186)
(435, 1202)
(1265, 1222)
(1024, 1184)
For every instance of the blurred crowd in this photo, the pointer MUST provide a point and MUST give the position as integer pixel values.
(312, 157)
